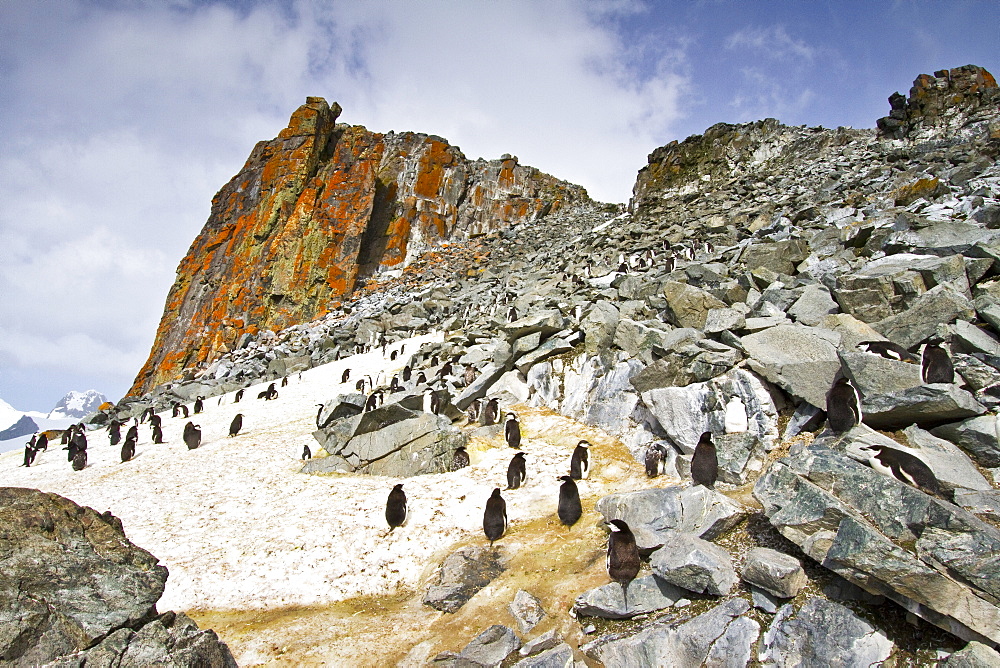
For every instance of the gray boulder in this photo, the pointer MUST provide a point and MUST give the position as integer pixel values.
(813, 305)
(653, 513)
(928, 405)
(478, 388)
(801, 360)
(599, 326)
(939, 305)
(775, 572)
(740, 456)
(973, 655)
(687, 305)
(560, 656)
(873, 374)
(645, 594)
(822, 633)
(526, 610)
(545, 323)
(694, 564)
(463, 573)
(977, 436)
(491, 646)
(720, 637)
(971, 339)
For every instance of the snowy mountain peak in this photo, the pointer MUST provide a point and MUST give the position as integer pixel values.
(77, 404)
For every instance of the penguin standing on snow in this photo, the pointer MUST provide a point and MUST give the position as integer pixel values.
(344, 377)
(236, 425)
(512, 431)
(199, 405)
(491, 414)
(115, 432)
(736, 416)
(579, 463)
(654, 460)
(128, 450)
(517, 471)
(192, 435)
(935, 364)
(843, 406)
(705, 462)
(236, 399)
(157, 434)
(133, 432)
(570, 508)
(495, 517)
(395, 508)
(29, 454)
(460, 459)
(306, 452)
(43, 442)
(904, 467)
(623, 556)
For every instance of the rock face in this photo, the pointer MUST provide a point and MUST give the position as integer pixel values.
(69, 578)
(317, 209)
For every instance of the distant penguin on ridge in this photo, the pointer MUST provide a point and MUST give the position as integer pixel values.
(236, 424)
(705, 462)
(512, 431)
(570, 508)
(460, 459)
(736, 416)
(395, 507)
(579, 463)
(935, 364)
(495, 517)
(517, 471)
(843, 406)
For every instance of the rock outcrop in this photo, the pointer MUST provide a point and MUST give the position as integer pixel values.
(316, 210)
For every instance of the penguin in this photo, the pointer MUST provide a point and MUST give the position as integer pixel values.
(236, 425)
(66, 434)
(491, 413)
(284, 381)
(184, 411)
(460, 459)
(843, 406)
(133, 433)
(157, 435)
(436, 403)
(174, 413)
(705, 462)
(192, 435)
(319, 413)
(394, 385)
(306, 452)
(512, 431)
(392, 356)
(903, 466)
(579, 463)
(623, 556)
(43, 442)
(199, 405)
(128, 450)
(888, 350)
(80, 438)
(434, 360)
(395, 507)
(155, 420)
(360, 385)
(736, 416)
(407, 373)
(80, 460)
(935, 364)
(421, 378)
(239, 395)
(655, 460)
(570, 509)
(272, 393)
(371, 403)
(517, 471)
(470, 374)
(495, 517)
(29, 454)
(473, 410)
(114, 432)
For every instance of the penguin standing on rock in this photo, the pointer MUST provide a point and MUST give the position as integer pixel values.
(904, 467)
(579, 463)
(395, 507)
(495, 517)
(705, 462)
(623, 556)
(192, 435)
(236, 425)
(843, 406)
(655, 458)
(517, 471)
(570, 508)
(460, 459)
(512, 431)
(473, 410)
(935, 364)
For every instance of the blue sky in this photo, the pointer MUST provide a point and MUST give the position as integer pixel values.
(120, 120)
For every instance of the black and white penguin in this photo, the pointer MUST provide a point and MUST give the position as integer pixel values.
(239, 395)
(236, 424)
(344, 377)
(579, 463)
(272, 393)
(623, 556)
(319, 413)
(460, 459)
(392, 356)
(421, 378)
(495, 517)
(935, 364)
(184, 411)
(394, 385)
(395, 507)
(132, 433)
(42, 443)
(491, 414)
(29, 454)
(517, 471)
(128, 450)
(284, 381)
(903, 466)
(192, 435)
(570, 508)
(843, 406)
(155, 420)
(199, 405)
(306, 452)
(157, 435)
(360, 385)
(655, 458)
(469, 375)
(888, 350)
(512, 431)
(407, 373)
(80, 460)
(705, 462)
(115, 432)
(371, 403)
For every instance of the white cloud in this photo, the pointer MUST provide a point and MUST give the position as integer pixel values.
(773, 42)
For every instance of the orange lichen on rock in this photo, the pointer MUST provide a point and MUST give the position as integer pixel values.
(315, 212)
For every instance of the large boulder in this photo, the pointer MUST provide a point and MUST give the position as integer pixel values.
(801, 360)
(939, 305)
(694, 564)
(463, 573)
(926, 405)
(977, 436)
(645, 594)
(687, 305)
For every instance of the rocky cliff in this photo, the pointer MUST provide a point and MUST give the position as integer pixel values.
(316, 210)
